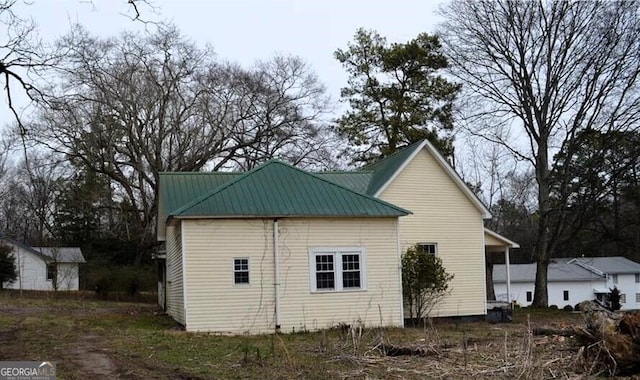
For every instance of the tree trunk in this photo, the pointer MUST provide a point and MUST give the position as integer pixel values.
(541, 297)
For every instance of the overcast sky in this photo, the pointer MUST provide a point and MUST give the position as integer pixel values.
(247, 30)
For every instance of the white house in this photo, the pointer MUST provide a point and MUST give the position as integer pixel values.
(45, 268)
(571, 281)
(621, 273)
(283, 233)
(279, 249)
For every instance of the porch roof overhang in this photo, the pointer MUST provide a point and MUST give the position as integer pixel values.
(494, 242)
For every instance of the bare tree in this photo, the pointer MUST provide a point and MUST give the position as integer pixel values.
(21, 54)
(547, 69)
(131, 107)
(29, 197)
(24, 57)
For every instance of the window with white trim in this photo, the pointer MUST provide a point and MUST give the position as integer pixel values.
(429, 248)
(614, 278)
(241, 270)
(637, 297)
(337, 269)
(623, 298)
(637, 278)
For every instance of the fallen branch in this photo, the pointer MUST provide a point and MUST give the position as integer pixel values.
(551, 331)
(389, 349)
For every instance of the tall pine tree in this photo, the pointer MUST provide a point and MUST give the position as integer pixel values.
(396, 95)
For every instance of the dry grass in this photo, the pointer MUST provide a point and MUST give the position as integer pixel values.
(136, 341)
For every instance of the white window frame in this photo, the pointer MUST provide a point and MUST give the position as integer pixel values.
(435, 247)
(623, 298)
(337, 253)
(234, 271)
(637, 278)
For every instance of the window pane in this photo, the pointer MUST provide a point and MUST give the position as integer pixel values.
(324, 263)
(325, 276)
(427, 248)
(325, 280)
(351, 279)
(51, 271)
(240, 271)
(350, 262)
(241, 277)
(350, 271)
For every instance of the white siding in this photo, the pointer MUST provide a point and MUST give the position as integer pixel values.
(628, 286)
(175, 290)
(216, 304)
(32, 271)
(378, 304)
(67, 276)
(443, 214)
(578, 291)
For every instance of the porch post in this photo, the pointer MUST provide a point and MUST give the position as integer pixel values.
(506, 260)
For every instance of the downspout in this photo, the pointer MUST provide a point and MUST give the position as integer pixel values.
(508, 268)
(399, 249)
(276, 269)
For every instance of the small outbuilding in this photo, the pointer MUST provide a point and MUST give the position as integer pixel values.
(45, 268)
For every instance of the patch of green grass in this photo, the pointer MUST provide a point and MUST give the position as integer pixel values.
(138, 337)
(542, 315)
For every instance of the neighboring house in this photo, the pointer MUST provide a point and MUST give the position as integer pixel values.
(45, 268)
(571, 281)
(273, 248)
(622, 273)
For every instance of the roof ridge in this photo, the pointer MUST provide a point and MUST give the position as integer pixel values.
(279, 162)
(344, 172)
(199, 173)
(397, 152)
(366, 196)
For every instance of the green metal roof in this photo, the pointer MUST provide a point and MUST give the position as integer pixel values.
(179, 188)
(356, 181)
(278, 189)
(384, 169)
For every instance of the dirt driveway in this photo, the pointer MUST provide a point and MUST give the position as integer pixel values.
(73, 334)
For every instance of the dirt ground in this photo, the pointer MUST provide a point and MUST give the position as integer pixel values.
(81, 350)
(136, 341)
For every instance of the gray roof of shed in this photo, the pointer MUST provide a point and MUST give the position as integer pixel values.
(559, 270)
(62, 254)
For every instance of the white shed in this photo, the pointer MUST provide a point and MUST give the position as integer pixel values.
(45, 268)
